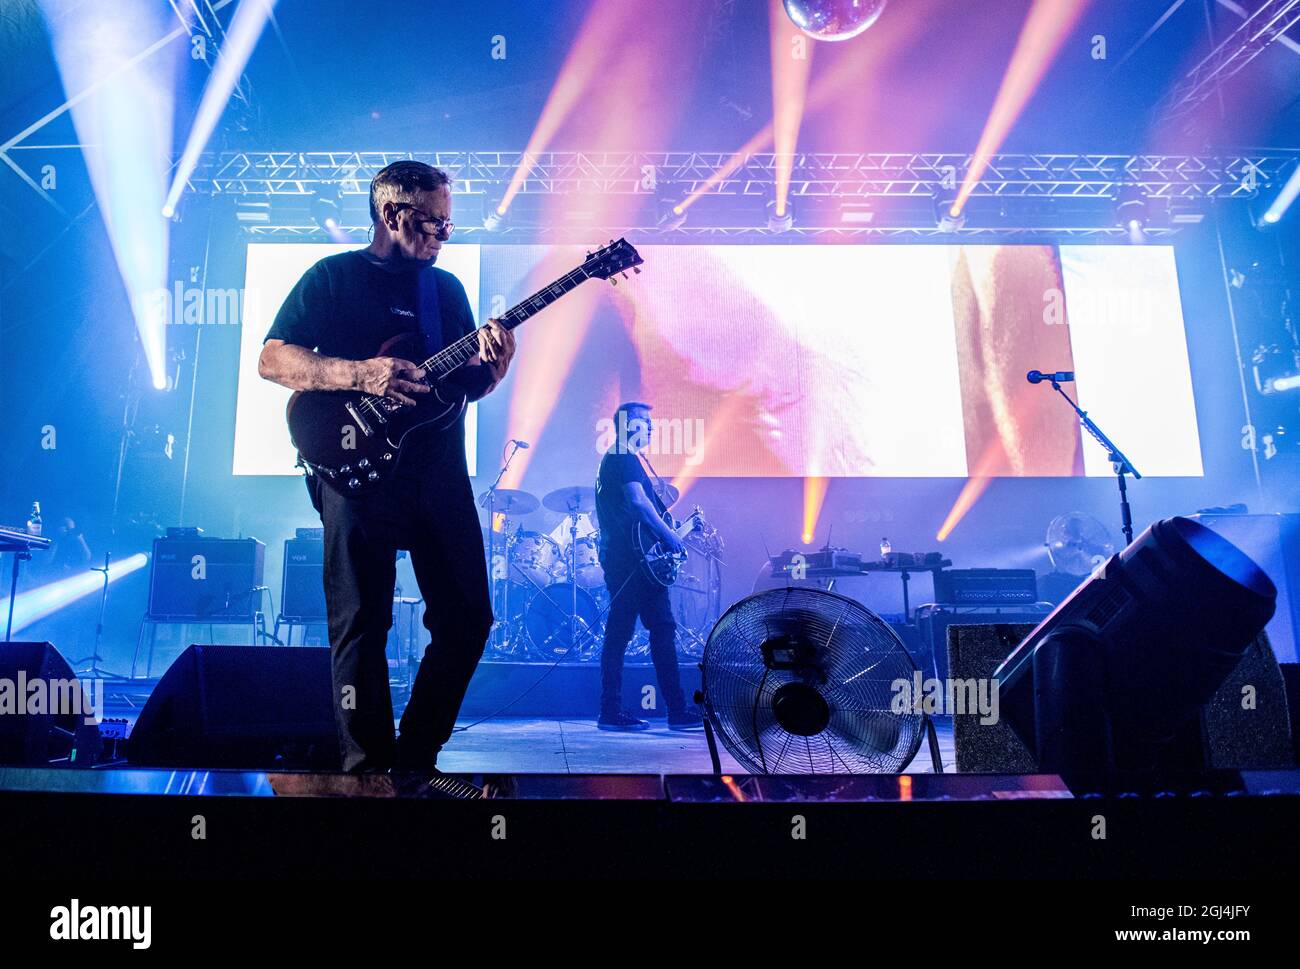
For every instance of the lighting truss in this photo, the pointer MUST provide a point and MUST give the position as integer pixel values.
(1243, 45)
(281, 178)
(572, 235)
(835, 174)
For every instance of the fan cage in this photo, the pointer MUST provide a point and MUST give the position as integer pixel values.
(860, 660)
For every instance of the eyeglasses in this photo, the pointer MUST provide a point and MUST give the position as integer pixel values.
(441, 227)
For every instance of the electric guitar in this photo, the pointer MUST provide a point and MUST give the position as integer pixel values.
(353, 441)
(658, 562)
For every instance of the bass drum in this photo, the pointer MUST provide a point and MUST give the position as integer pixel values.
(551, 635)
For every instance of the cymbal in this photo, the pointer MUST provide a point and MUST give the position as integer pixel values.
(508, 501)
(574, 500)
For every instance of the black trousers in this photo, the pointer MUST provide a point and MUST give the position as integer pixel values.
(636, 595)
(433, 516)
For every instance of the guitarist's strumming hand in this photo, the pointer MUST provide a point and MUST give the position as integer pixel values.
(496, 348)
(391, 377)
(668, 538)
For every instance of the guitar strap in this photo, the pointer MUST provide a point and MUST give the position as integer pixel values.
(430, 309)
(645, 462)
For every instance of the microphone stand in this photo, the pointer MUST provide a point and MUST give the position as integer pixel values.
(1122, 465)
(94, 658)
(490, 496)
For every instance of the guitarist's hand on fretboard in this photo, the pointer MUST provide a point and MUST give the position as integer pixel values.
(496, 348)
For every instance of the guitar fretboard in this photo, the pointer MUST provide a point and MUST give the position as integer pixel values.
(463, 350)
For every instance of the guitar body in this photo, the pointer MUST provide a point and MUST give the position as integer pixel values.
(353, 441)
(661, 565)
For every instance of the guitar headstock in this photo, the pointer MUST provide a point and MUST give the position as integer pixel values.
(609, 261)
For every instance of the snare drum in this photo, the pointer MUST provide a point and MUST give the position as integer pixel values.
(535, 558)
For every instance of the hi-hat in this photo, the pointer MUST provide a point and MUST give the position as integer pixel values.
(507, 501)
(574, 500)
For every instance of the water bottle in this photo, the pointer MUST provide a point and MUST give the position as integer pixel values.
(885, 549)
(34, 522)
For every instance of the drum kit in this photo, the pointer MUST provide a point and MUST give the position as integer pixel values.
(548, 588)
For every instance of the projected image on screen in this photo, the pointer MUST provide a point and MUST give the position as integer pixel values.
(815, 360)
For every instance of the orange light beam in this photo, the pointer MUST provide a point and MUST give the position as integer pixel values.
(823, 92)
(814, 495)
(1048, 24)
(760, 140)
(791, 62)
(994, 456)
(591, 49)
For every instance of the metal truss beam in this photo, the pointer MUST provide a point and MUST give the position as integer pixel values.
(676, 175)
(1243, 45)
(688, 233)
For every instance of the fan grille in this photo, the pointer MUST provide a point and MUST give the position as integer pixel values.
(857, 659)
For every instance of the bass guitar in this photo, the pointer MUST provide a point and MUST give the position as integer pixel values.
(353, 441)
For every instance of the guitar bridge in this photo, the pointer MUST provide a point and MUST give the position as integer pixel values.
(355, 413)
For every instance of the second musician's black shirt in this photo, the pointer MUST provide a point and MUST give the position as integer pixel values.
(614, 512)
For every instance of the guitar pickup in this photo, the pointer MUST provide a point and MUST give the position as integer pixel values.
(355, 413)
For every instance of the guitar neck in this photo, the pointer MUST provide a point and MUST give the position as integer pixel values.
(463, 350)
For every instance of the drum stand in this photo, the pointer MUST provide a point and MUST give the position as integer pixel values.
(588, 632)
(499, 631)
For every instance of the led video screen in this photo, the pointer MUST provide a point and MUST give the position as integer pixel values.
(819, 360)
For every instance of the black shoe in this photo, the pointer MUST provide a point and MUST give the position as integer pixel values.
(620, 720)
(685, 720)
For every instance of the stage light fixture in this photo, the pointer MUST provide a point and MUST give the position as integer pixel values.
(1114, 677)
(672, 214)
(1274, 370)
(948, 220)
(325, 210)
(1132, 213)
(494, 214)
(779, 221)
(1273, 214)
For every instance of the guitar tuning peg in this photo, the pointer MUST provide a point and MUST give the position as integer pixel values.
(613, 281)
(625, 275)
(637, 270)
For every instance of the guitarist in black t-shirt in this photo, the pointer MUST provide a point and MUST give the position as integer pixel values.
(324, 338)
(624, 498)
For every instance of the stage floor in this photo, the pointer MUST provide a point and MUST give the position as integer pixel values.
(573, 746)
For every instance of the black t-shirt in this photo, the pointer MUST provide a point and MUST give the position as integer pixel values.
(613, 511)
(347, 306)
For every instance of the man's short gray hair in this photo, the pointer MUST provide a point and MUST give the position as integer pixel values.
(400, 181)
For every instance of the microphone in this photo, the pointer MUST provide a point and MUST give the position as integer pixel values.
(521, 445)
(1059, 377)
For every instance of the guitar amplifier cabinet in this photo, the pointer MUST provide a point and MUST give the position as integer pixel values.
(206, 579)
(933, 620)
(986, 587)
(302, 596)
